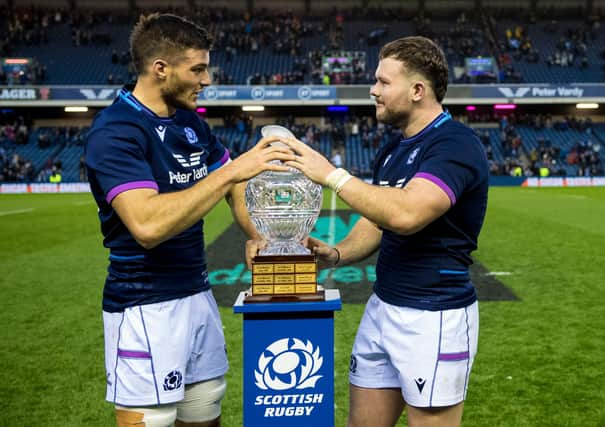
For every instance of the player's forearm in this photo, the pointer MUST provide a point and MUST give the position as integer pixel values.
(165, 215)
(361, 242)
(387, 207)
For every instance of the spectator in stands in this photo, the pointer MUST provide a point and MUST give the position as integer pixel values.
(83, 173)
(55, 176)
(153, 228)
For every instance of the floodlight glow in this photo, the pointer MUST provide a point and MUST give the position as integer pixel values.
(253, 108)
(201, 110)
(76, 109)
(505, 107)
(12, 61)
(587, 106)
(470, 108)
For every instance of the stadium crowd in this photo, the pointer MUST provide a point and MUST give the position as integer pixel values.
(307, 38)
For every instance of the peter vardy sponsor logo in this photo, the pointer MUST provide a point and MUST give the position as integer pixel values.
(101, 94)
(540, 91)
(288, 364)
(184, 178)
(195, 174)
(194, 159)
(513, 93)
(572, 92)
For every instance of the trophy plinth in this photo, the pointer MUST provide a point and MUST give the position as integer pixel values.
(283, 207)
(284, 278)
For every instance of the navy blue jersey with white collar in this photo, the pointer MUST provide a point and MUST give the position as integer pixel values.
(429, 269)
(130, 147)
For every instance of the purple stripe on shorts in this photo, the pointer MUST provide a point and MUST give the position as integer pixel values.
(130, 186)
(439, 183)
(132, 354)
(451, 357)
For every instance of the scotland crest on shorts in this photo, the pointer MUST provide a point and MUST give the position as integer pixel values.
(173, 381)
(287, 364)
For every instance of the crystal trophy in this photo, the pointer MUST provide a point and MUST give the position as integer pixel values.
(283, 207)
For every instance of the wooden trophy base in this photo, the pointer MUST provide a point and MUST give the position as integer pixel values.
(284, 278)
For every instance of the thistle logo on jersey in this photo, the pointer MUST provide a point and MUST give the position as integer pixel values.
(191, 135)
(288, 364)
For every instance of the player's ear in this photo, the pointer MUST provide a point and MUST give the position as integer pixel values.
(418, 90)
(159, 68)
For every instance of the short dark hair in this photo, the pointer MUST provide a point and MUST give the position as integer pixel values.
(423, 56)
(165, 35)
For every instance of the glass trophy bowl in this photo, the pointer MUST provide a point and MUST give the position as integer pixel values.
(283, 205)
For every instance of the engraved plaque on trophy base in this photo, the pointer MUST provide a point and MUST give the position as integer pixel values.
(284, 278)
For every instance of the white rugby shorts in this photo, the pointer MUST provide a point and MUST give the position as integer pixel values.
(427, 354)
(152, 351)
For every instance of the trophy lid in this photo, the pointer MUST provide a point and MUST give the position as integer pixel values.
(276, 130)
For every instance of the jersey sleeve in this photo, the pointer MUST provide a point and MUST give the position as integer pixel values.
(218, 153)
(117, 159)
(453, 163)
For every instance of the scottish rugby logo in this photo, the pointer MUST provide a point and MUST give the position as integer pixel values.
(287, 364)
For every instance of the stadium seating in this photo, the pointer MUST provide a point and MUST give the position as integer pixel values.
(358, 158)
(545, 37)
(91, 61)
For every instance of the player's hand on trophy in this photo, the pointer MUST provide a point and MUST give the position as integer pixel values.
(313, 164)
(253, 247)
(262, 158)
(327, 256)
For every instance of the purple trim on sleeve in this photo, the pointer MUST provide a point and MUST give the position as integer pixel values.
(132, 354)
(221, 162)
(130, 186)
(439, 183)
(452, 357)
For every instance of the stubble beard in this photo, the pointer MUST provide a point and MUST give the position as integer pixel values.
(397, 119)
(177, 94)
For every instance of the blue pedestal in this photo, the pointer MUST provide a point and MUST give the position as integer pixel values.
(289, 362)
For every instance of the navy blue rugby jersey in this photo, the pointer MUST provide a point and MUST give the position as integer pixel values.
(429, 269)
(130, 147)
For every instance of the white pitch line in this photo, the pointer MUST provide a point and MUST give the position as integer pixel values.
(499, 273)
(17, 211)
(88, 202)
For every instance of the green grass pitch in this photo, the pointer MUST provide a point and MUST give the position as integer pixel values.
(541, 360)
